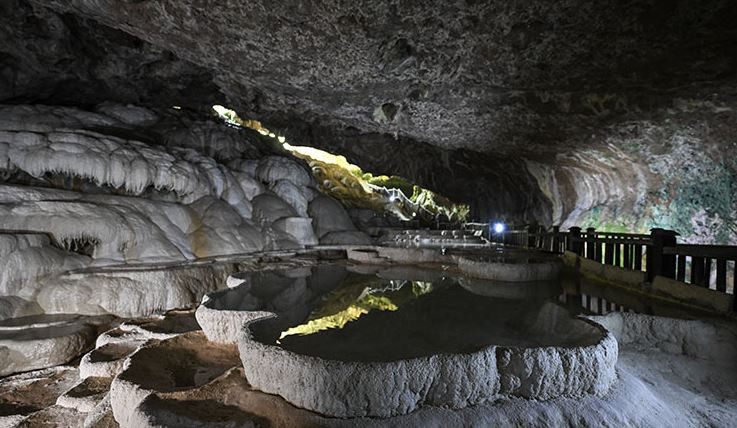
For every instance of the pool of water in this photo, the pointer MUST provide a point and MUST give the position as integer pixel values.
(371, 314)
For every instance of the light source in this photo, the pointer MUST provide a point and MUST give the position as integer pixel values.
(499, 227)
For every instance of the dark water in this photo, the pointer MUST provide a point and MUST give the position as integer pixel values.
(403, 312)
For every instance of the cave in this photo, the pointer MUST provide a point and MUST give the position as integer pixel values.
(368, 213)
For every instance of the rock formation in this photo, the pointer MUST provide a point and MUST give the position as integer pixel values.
(215, 213)
(576, 114)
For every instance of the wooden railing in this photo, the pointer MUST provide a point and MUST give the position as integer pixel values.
(698, 261)
(624, 250)
(657, 253)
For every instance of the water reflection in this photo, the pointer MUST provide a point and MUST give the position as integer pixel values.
(403, 312)
(350, 302)
(379, 313)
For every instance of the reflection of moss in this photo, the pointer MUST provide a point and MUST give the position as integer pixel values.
(342, 297)
(381, 303)
(348, 303)
(337, 320)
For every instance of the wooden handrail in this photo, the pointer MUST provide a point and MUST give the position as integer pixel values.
(637, 235)
(711, 251)
(656, 253)
(612, 240)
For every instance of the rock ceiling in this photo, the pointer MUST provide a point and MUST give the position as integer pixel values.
(565, 112)
(486, 75)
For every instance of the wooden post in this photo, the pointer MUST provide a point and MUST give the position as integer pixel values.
(556, 239)
(657, 262)
(637, 254)
(574, 242)
(697, 270)
(608, 252)
(617, 255)
(722, 275)
(707, 272)
(590, 244)
(574, 301)
(627, 258)
(681, 270)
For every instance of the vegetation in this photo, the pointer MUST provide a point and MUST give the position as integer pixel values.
(390, 182)
(358, 189)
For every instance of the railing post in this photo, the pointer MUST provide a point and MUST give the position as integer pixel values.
(608, 251)
(617, 254)
(697, 270)
(681, 268)
(657, 262)
(590, 244)
(574, 244)
(721, 281)
(556, 239)
(627, 250)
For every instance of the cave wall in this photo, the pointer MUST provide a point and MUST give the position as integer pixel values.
(63, 59)
(674, 167)
(496, 187)
(613, 114)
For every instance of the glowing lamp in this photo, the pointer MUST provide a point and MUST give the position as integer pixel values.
(499, 227)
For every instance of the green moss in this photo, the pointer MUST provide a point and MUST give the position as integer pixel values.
(394, 182)
(437, 204)
(604, 221)
(714, 193)
(615, 228)
(347, 182)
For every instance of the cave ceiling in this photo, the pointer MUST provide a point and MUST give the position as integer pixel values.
(566, 112)
(490, 76)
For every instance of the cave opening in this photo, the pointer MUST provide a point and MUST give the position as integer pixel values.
(355, 188)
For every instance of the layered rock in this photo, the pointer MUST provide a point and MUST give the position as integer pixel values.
(35, 342)
(613, 115)
(147, 202)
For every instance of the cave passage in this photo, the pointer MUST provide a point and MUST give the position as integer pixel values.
(368, 213)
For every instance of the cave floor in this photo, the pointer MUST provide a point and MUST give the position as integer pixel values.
(655, 385)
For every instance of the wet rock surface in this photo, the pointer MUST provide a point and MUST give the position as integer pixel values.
(164, 371)
(443, 346)
(41, 341)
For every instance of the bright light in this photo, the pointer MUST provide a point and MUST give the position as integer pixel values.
(222, 111)
(498, 227)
